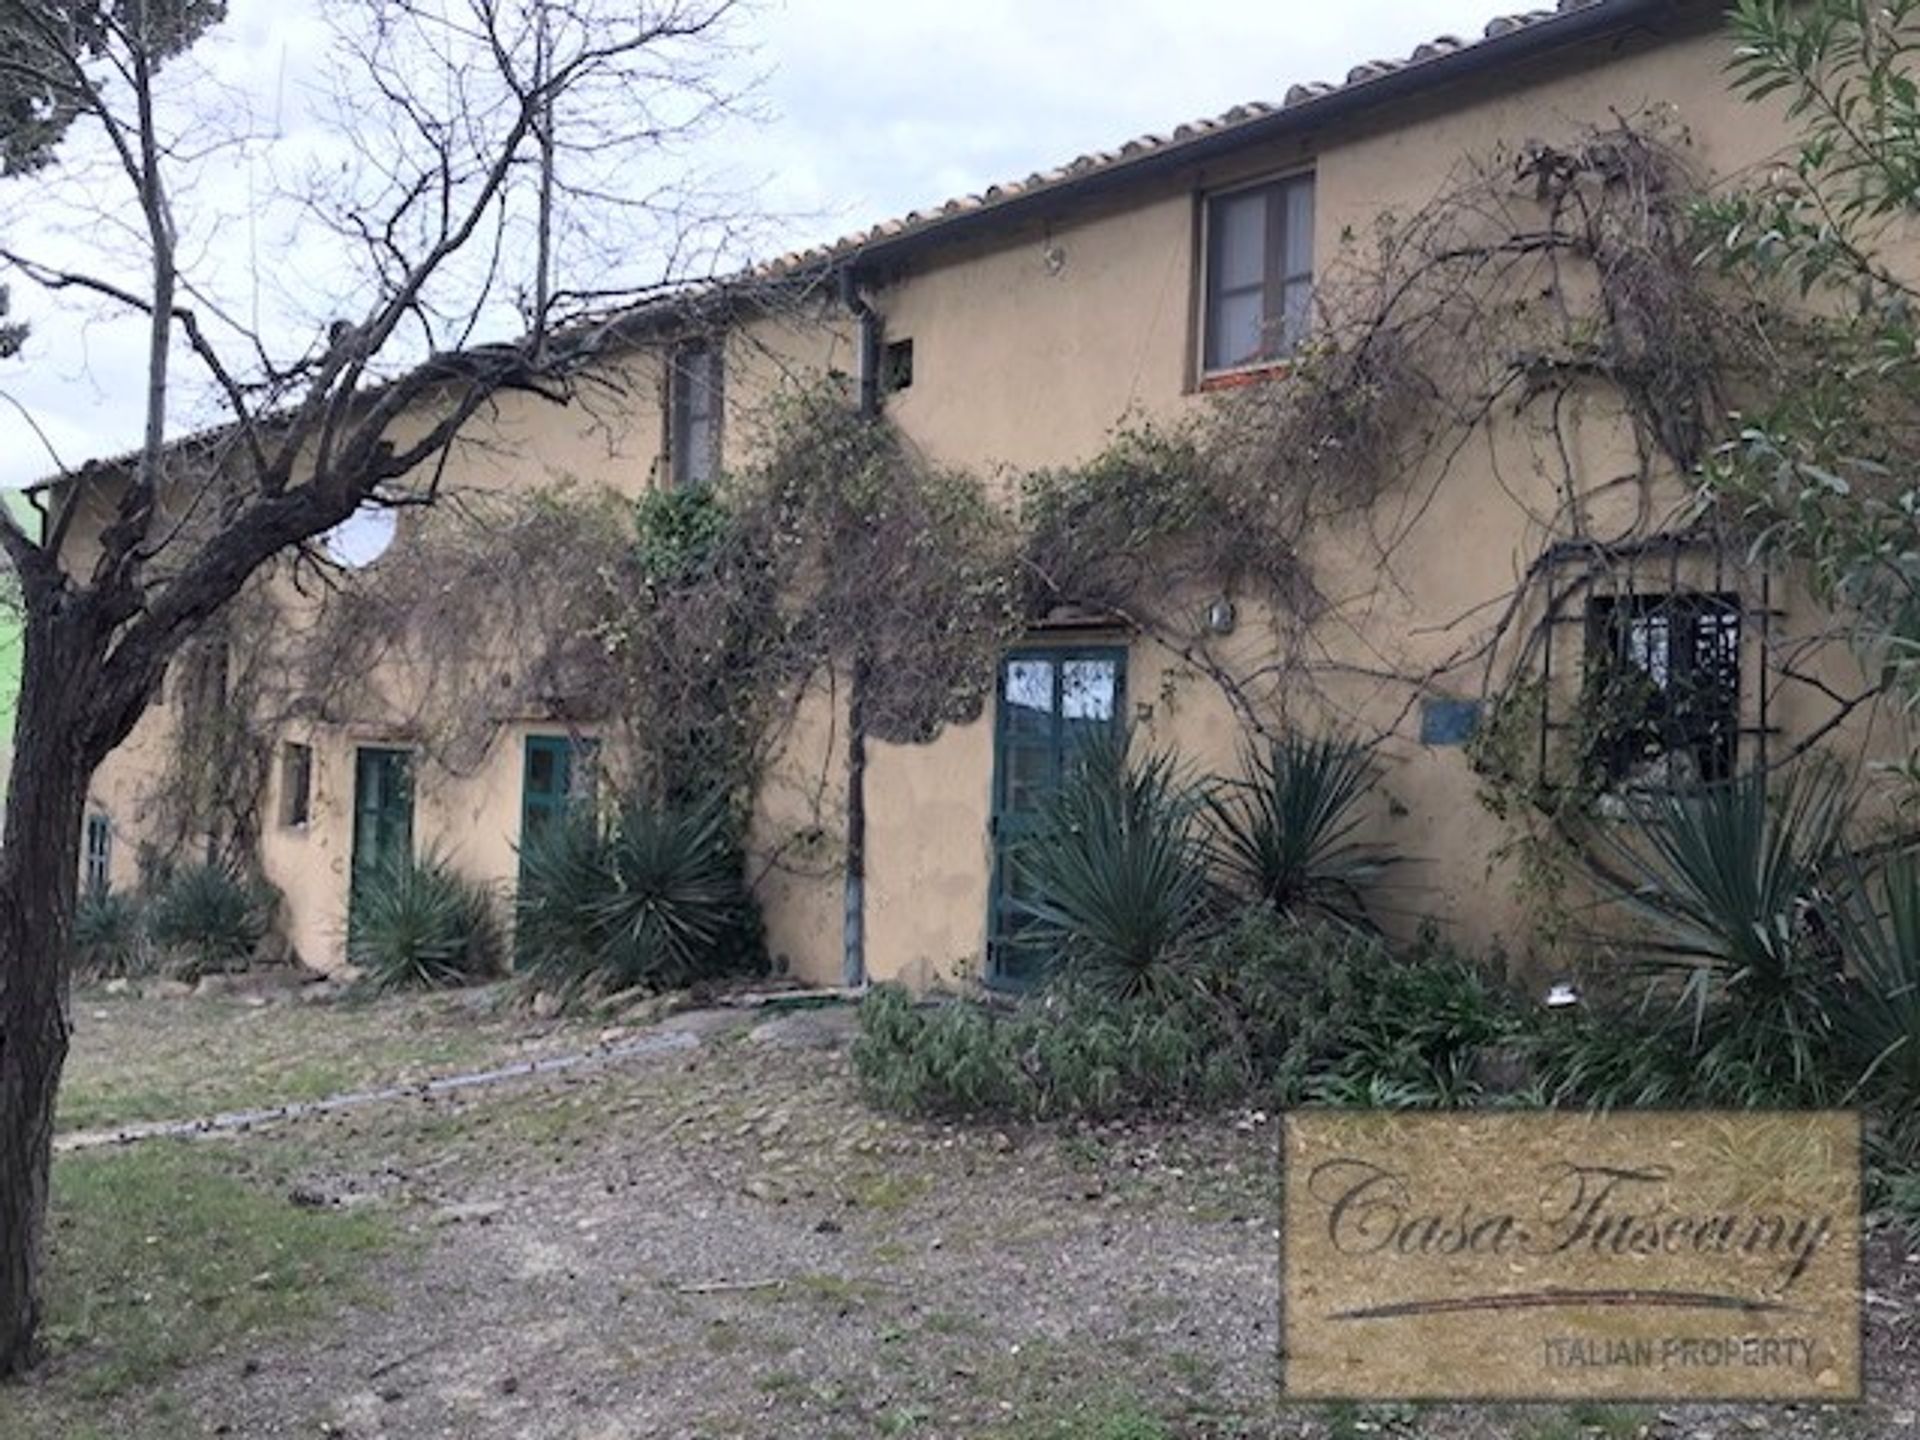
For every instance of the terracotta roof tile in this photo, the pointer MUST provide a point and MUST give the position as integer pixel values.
(1144, 145)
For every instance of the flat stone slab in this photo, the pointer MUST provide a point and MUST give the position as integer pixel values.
(826, 1027)
(704, 1024)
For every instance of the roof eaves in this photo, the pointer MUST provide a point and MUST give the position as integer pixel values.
(1507, 40)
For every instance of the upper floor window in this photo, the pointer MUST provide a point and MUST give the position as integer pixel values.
(1259, 273)
(695, 392)
(1663, 687)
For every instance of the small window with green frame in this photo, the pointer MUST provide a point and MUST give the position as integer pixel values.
(96, 874)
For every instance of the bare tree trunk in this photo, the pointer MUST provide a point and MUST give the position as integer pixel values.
(101, 630)
(39, 874)
(53, 763)
(543, 259)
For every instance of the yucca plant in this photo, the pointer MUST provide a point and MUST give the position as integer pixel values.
(657, 897)
(109, 936)
(1283, 834)
(1731, 891)
(563, 874)
(419, 925)
(208, 918)
(1117, 867)
(1879, 1024)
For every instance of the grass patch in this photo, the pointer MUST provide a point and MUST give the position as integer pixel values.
(140, 1059)
(885, 1190)
(1114, 1418)
(162, 1255)
(833, 1292)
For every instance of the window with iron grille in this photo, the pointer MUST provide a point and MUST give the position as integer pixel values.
(1661, 701)
(96, 873)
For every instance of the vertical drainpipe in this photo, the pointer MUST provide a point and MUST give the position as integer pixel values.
(853, 959)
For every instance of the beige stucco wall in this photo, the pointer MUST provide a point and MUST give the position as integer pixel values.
(1029, 351)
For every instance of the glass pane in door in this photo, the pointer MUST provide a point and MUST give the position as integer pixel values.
(1049, 704)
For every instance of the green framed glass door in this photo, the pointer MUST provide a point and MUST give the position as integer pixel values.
(1050, 701)
(557, 771)
(382, 814)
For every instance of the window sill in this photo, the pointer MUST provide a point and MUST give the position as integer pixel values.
(1247, 375)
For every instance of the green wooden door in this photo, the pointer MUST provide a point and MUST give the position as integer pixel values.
(1050, 701)
(382, 814)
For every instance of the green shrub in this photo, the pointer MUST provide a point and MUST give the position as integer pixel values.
(1730, 888)
(950, 1058)
(677, 531)
(1402, 1030)
(207, 919)
(1072, 1052)
(1337, 1016)
(109, 937)
(657, 897)
(1274, 1014)
(417, 925)
(1878, 1035)
(564, 873)
(1118, 870)
(1613, 1055)
(1780, 973)
(1284, 832)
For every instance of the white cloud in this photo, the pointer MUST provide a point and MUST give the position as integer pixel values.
(875, 109)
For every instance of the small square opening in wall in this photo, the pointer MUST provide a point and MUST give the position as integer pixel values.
(1448, 722)
(896, 366)
(296, 784)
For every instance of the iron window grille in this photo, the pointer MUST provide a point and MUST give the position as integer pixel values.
(96, 875)
(1655, 665)
(1662, 688)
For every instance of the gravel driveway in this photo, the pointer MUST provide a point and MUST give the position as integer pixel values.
(722, 1241)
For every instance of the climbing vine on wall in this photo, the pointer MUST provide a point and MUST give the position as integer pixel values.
(1544, 286)
(684, 628)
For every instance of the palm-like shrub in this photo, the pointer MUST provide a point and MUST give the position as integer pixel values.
(657, 897)
(1284, 832)
(417, 924)
(564, 874)
(1117, 868)
(1879, 1025)
(1731, 889)
(207, 919)
(109, 936)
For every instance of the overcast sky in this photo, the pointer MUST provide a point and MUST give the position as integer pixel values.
(868, 110)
